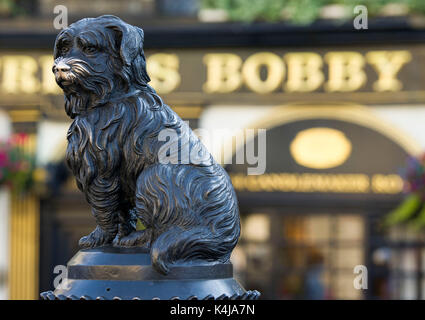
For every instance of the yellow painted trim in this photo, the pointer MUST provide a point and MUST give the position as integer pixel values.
(24, 115)
(24, 242)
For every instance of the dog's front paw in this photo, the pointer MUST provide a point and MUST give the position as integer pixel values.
(124, 229)
(96, 238)
(135, 238)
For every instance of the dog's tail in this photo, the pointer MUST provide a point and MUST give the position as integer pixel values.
(198, 244)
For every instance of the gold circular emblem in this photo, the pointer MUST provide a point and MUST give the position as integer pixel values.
(320, 148)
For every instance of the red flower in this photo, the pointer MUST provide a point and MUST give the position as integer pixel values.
(19, 138)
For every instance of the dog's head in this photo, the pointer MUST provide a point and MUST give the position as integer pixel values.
(96, 58)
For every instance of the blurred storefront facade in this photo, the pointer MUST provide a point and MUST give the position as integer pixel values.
(342, 109)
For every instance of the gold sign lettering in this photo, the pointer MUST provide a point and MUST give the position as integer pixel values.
(304, 71)
(387, 64)
(262, 72)
(275, 72)
(345, 71)
(163, 69)
(19, 75)
(389, 184)
(223, 72)
(318, 182)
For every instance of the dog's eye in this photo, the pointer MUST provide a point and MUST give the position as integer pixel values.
(63, 50)
(90, 49)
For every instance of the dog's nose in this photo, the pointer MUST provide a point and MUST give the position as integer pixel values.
(61, 67)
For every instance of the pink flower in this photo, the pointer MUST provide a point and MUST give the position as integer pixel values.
(4, 159)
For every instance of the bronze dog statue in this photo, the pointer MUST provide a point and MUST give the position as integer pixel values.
(189, 208)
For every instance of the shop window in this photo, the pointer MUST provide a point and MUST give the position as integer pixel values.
(303, 256)
(407, 263)
(256, 227)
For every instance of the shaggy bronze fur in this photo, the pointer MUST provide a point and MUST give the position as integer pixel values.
(114, 150)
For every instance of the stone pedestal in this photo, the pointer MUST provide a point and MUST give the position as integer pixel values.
(127, 274)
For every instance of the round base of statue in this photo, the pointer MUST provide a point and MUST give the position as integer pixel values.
(109, 273)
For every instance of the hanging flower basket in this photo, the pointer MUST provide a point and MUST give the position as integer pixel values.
(412, 210)
(16, 164)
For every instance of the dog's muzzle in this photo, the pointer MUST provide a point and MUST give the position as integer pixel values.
(61, 70)
(61, 67)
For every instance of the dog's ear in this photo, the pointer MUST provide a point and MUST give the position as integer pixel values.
(130, 41)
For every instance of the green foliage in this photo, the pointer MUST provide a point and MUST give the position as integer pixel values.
(269, 10)
(304, 11)
(299, 11)
(405, 210)
(373, 6)
(411, 211)
(417, 6)
(248, 10)
(10, 8)
(419, 221)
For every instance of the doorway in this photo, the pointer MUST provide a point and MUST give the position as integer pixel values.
(302, 256)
